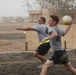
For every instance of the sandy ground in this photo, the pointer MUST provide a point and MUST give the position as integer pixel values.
(12, 42)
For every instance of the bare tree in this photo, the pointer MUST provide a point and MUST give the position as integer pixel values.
(61, 5)
(27, 5)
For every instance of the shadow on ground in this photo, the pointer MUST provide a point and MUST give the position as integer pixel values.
(24, 63)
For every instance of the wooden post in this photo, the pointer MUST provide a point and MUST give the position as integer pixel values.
(65, 44)
(26, 45)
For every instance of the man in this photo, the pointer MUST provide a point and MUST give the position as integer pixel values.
(59, 55)
(42, 31)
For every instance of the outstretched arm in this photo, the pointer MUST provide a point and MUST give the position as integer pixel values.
(25, 29)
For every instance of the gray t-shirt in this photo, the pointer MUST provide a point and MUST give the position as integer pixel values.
(56, 42)
(42, 31)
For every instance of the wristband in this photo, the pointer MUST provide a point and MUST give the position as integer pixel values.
(46, 38)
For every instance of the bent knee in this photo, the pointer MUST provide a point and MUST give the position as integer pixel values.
(35, 54)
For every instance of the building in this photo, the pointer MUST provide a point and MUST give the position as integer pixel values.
(35, 14)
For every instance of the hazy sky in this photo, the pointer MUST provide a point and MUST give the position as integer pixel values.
(12, 8)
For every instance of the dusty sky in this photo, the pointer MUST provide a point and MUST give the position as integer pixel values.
(12, 8)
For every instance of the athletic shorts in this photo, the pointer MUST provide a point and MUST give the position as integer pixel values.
(60, 57)
(43, 48)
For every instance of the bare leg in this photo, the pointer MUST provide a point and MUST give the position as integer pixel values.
(42, 58)
(70, 68)
(46, 66)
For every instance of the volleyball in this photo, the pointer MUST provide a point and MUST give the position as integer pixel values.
(66, 20)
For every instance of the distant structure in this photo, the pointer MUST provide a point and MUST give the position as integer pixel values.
(13, 19)
(1, 20)
(35, 14)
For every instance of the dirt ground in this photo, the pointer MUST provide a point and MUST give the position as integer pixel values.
(24, 63)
